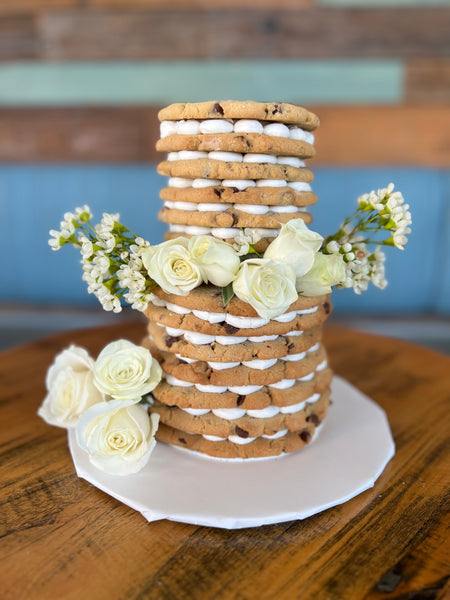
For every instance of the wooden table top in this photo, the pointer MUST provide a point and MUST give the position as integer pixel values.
(63, 538)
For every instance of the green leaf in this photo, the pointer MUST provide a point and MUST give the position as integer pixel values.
(227, 293)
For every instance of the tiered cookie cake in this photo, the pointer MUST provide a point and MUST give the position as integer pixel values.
(237, 385)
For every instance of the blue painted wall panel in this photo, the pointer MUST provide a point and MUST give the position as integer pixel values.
(33, 200)
(163, 82)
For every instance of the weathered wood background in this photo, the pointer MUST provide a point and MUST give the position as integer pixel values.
(81, 82)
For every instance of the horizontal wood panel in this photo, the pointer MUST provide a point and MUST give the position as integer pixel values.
(162, 82)
(428, 80)
(384, 135)
(83, 135)
(194, 4)
(390, 3)
(232, 34)
(36, 6)
(354, 135)
(18, 38)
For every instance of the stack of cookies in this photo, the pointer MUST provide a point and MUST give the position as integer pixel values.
(234, 165)
(237, 385)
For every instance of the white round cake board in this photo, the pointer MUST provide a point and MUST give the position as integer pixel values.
(350, 452)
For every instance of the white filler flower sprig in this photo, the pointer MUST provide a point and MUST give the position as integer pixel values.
(378, 213)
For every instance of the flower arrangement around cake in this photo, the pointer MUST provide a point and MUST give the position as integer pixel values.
(106, 399)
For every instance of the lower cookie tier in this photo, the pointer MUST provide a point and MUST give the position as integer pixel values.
(258, 448)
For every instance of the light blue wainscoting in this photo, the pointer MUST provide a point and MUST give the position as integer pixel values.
(161, 82)
(34, 198)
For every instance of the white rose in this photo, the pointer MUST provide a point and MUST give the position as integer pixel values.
(70, 386)
(124, 370)
(328, 270)
(118, 435)
(171, 266)
(295, 245)
(218, 261)
(268, 285)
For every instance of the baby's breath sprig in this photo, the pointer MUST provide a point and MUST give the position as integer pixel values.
(111, 262)
(378, 213)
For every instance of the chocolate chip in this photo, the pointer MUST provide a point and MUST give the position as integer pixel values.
(240, 400)
(182, 440)
(291, 346)
(241, 432)
(218, 192)
(182, 362)
(313, 418)
(235, 190)
(218, 109)
(277, 110)
(235, 220)
(170, 341)
(327, 307)
(230, 329)
(305, 436)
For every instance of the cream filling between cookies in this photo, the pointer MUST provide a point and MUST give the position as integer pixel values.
(196, 127)
(222, 232)
(258, 364)
(291, 161)
(242, 441)
(251, 209)
(230, 414)
(234, 320)
(241, 390)
(239, 184)
(199, 339)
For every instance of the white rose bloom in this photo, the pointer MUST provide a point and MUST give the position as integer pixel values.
(171, 266)
(295, 245)
(267, 285)
(218, 261)
(124, 370)
(70, 386)
(328, 270)
(118, 435)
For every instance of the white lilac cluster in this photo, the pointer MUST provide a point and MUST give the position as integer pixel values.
(387, 209)
(101, 400)
(110, 258)
(378, 213)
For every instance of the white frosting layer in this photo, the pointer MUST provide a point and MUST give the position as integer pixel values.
(224, 340)
(221, 232)
(234, 438)
(262, 413)
(251, 209)
(250, 157)
(194, 127)
(240, 184)
(241, 390)
(234, 320)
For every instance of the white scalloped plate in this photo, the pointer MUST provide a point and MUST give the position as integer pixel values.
(345, 459)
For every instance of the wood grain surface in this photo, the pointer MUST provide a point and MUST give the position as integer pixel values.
(63, 538)
(252, 33)
(428, 80)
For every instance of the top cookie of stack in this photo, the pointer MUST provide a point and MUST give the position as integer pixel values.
(234, 165)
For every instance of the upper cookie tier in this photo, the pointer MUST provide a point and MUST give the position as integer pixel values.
(279, 112)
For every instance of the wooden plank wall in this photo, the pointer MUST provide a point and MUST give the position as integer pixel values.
(411, 128)
(81, 82)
